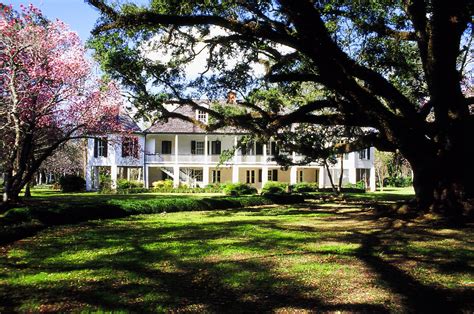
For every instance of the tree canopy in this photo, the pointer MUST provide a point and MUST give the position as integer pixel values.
(395, 71)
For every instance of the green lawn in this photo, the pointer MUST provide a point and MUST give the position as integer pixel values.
(275, 258)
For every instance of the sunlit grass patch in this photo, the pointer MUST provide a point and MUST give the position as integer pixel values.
(278, 258)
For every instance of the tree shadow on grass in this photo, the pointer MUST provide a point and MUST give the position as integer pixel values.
(191, 267)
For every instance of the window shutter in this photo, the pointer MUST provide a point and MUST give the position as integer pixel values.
(259, 175)
(125, 147)
(218, 147)
(258, 148)
(275, 175)
(193, 147)
(96, 147)
(368, 153)
(135, 147)
(208, 147)
(105, 147)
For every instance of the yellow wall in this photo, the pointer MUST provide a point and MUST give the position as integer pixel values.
(226, 174)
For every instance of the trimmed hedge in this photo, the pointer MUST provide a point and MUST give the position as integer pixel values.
(304, 187)
(188, 204)
(72, 183)
(237, 189)
(272, 187)
(25, 221)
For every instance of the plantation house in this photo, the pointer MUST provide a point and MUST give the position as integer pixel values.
(180, 151)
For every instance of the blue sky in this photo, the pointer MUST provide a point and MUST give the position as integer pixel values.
(80, 16)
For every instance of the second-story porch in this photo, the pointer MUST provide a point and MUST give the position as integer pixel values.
(209, 149)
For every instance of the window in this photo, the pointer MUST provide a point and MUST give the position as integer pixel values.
(259, 175)
(197, 147)
(346, 156)
(247, 149)
(300, 176)
(100, 147)
(364, 154)
(274, 149)
(202, 116)
(250, 176)
(130, 147)
(216, 147)
(197, 174)
(165, 147)
(273, 175)
(216, 176)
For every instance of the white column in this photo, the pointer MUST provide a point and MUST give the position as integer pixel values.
(264, 175)
(372, 179)
(235, 174)
(176, 151)
(236, 151)
(205, 150)
(293, 175)
(96, 178)
(352, 169)
(205, 175)
(321, 177)
(265, 154)
(113, 175)
(146, 171)
(176, 176)
(88, 178)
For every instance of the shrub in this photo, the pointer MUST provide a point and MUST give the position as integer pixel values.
(105, 184)
(163, 184)
(272, 187)
(214, 188)
(151, 206)
(237, 189)
(18, 215)
(360, 185)
(399, 182)
(72, 183)
(304, 187)
(126, 187)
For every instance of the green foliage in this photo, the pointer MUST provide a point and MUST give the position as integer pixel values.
(237, 189)
(163, 184)
(188, 204)
(125, 184)
(18, 215)
(72, 183)
(272, 187)
(399, 182)
(304, 187)
(358, 185)
(105, 184)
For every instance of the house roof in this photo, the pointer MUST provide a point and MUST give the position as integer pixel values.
(176, 125)
(127, 123)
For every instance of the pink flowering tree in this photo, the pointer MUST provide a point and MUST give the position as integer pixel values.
(48, 94)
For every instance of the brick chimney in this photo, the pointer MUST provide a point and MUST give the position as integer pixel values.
(231, 97)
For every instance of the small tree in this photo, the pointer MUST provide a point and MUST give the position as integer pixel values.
(48, 94)
(382, 164)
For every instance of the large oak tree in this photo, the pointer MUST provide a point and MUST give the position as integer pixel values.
(393, 68)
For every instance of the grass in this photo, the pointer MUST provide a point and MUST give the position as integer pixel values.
(307, 257)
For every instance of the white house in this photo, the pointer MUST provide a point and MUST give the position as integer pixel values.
(185, 153)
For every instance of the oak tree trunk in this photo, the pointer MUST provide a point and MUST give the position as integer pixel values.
(443, 183)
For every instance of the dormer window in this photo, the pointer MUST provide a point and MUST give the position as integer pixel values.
(202, 116)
